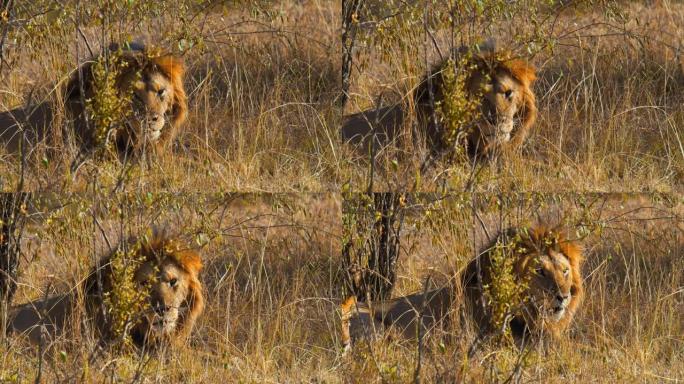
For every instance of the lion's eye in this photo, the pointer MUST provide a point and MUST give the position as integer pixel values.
(173, 282)
(540, 272)
(566, 271)
(161, 93)
(508, 93)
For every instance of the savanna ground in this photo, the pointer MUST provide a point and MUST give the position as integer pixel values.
(263, 80)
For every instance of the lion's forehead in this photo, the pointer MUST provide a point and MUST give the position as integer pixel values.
(495, 84)
(556, 264)
(164, 270)
(155, 81)
(170, 270)
(503, 82)
(555, 260)
(151, 84)
(560, 260)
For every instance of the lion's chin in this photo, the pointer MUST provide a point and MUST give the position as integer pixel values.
(503, 132)
(162, 327)
(557, 313)
(498, 134)
(153, 134)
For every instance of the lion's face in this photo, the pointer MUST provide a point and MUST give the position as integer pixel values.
(152, 104)
(168, 293)
(502, 99)
(151, 88)
(158, 301)
(550, 266)
(551, 285)
(499, 90)
(546, 267)
(168, 287)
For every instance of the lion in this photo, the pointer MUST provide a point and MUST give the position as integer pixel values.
(546, 272)
(151, 85)
(412, 315)
(167, 297)
(498, 84)
(151, 109)
(22, 128)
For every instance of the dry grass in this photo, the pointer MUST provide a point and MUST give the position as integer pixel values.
(609, 97)
(270, 277)
(273, 279)
(263, 93)
(262, 99)
(628, 328)
(264, 118)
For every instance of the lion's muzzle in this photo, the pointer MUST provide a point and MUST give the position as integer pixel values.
(560, 304)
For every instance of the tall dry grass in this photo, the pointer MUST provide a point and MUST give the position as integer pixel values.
(608, 91)
(628, 329)
(273, 278)
(262, 83)
(270, 278)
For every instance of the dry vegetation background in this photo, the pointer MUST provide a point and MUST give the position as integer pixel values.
(273, 279)
(609, 93)
(270, 277)
(629, 328)
(264, 89)
(263, 80)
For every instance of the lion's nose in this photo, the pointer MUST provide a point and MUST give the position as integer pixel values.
(154, 118)
(160, 309)
(562, 298)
